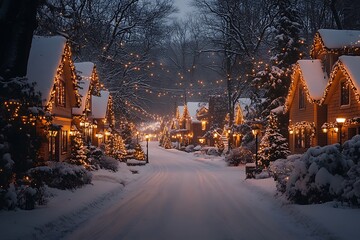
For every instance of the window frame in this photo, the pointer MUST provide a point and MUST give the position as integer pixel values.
(302, 103)
(342, 93)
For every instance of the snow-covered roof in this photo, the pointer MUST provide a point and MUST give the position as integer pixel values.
(336, 39)
(99, 104)
(44, 59)
(84, 70)
(350, 66)
(193, 107)
(311, 74)
(244, 103)
(314, 77)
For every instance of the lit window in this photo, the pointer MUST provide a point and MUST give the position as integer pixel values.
(203, 125)
(60, 94)
(64, 141)
(301, 98)
(345, 93)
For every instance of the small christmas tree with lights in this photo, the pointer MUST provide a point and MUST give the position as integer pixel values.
(273, 145)
(78, 151)
(139, 153)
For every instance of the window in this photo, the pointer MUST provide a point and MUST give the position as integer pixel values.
(351, 132)
(64, 141)
(60, 94)
(301, 98)
(302, 138)
(345, 93)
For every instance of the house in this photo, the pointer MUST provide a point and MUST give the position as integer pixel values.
(102, 115)
(51, 68)
(241, 109)
(308, 82)
(88, 87)
(342, 98)
(324, 89)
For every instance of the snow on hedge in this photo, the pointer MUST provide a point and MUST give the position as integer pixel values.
(321, 174)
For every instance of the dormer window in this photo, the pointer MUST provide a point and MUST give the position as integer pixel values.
(301, 98)
(345, 93)
(60, 94)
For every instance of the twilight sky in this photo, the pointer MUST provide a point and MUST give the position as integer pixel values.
(183, 6)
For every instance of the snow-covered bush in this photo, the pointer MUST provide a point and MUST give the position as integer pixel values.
(109, 163)
(351, 186)
(239, 155)
(315, 177)
(351, 149)
(197, 148)
(189, 148)
(61, 175)
(281, 170)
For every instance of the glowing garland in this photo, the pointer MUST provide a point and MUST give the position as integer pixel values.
(301, 126)
(67, 56)
(292, 89)
(339, 66)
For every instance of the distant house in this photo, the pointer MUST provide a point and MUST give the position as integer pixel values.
(324, 89)
(88, 86)
(241, 108)
(102, 115)
(50, 66)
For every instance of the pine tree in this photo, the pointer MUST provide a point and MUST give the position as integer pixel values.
(139, 153)
(273, 145)
(78, 151)
(275, 78)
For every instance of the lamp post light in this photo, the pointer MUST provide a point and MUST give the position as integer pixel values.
(340, 122)
(137, 137)
(255, 131)
(147, 148)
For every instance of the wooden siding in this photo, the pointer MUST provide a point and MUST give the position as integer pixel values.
(299, 115)
(335, 110)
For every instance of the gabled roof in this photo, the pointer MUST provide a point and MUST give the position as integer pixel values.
(45, 57)
(327, 39)
(312, 76)
(193, 108)
(99, 104)
(350, 68)
(84, 70)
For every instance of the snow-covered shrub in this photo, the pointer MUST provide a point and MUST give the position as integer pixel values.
(351, 149)
(109, 163)
(317, 176)
(281, 169)
(61, 175)
(239, 155)
(351, 186)
(197, 148)
(212, 151)
(189, 148)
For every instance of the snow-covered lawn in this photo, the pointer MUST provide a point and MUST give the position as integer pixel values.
(164, 179)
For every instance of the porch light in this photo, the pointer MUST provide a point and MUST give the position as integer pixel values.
(215, 135)
(324, 129)
(340, 120)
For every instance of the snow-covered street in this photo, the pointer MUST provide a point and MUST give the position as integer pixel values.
(178, 196)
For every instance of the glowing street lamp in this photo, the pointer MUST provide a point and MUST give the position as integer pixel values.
(147, 148)
(256, 132)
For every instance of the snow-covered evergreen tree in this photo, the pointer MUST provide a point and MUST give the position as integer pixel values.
(275, 78)
(273, 145)
(79, 151)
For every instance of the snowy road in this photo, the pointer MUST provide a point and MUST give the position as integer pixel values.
(179, 198)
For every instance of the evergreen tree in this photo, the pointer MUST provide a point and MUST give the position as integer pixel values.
(273, 145)
(139, 153)
(78, 151)
(275, 78)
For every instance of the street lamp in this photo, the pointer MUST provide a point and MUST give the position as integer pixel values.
(340, 122)
(256, 131)
(137, 137)
(147, 148)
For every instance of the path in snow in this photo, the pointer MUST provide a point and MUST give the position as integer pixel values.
(178, 198)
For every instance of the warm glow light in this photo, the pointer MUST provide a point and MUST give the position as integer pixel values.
(147, 137)
(336, 129)
(340, 120)
(99, 135)
(52, 133)
(325, 130)
(215, 135)
(291, 131)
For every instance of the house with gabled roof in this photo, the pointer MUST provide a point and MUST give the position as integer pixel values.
(330, 44)
(51, 68)
(102, 115)
(313, 108)
(308, 82)
(88, 87)
(342, 98)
